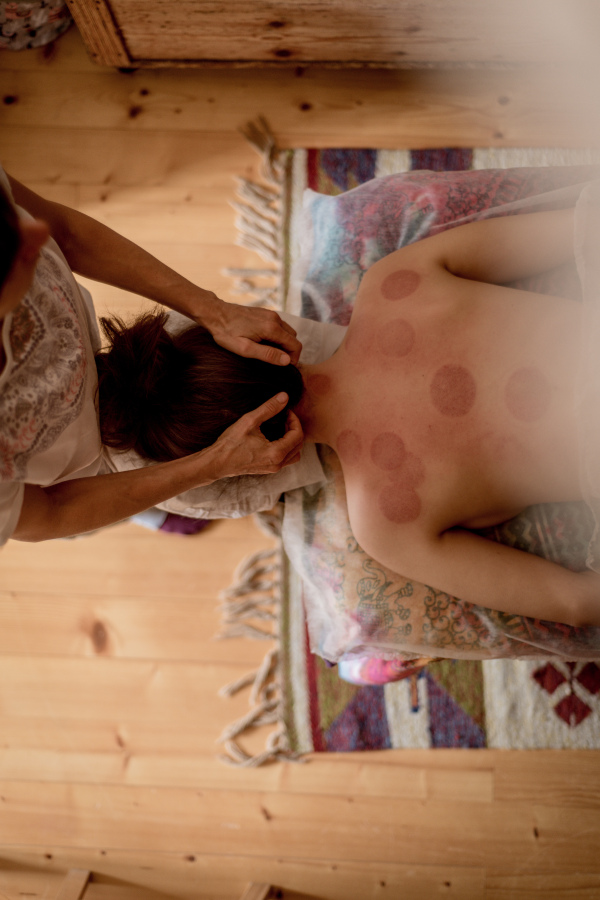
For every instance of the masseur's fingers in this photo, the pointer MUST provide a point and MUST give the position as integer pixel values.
(287, 446)
(265, 411)
(250, 331)
(244, 450)
(291, 442)
(267, 353)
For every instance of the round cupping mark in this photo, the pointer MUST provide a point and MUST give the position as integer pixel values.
(400, 284)
(527, 394)
(398, 501)
(399, 504)
(388, 451)
(411, 473)
(453, 390)
(396, 338)
(349, 447)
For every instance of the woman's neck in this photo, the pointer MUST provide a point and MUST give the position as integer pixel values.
(313, 409)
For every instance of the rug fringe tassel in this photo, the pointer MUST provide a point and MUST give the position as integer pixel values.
(259, 134)
(255, 597)
(265, 196)
(266, 702)
(244, 282)
(259, 221)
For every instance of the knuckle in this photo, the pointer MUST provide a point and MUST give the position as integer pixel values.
(266, 351)
(271, 354)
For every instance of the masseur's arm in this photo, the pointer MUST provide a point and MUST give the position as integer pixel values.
(504, 249)
(84, 504)
(97, 252)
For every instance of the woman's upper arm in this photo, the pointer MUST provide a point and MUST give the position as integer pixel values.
(55, 214)
(506, 248)
(496, 251)
(480, 571)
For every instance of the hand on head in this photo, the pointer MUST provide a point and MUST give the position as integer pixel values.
(169, 395)
(251, 332)
(244, 450)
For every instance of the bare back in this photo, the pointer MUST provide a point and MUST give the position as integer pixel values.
(451, 401)
(451, 405)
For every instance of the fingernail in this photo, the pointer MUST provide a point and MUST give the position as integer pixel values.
(281, 398)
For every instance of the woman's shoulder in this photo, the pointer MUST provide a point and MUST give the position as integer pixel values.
(389, 502)
(407, 276)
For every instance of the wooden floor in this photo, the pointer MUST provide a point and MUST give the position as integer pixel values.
(108, 672)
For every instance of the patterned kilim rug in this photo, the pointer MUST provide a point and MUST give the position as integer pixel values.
(451, 703)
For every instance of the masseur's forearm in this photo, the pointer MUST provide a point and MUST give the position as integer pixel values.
(99, 253)
(85, 504)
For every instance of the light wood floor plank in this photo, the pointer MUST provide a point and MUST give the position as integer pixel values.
(109, 563)
(129, 627)
(165, 819)
(526, 776)
(315, 106)
(125, 159)
(194, 876)
(501, 886)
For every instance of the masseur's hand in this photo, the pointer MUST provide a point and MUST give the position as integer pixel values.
(244, 450)
(245, 329)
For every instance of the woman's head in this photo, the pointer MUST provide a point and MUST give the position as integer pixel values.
(166, 396)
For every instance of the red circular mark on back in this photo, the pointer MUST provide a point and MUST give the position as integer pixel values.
(527, 394)
(387, 451)
(453, 390)
(319, 384)
(400, 284)
(399, 504)
(349, 447)
(411, 473)
(396, 338)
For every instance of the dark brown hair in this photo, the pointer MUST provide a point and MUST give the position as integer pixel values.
(166, 396)
(9, 235)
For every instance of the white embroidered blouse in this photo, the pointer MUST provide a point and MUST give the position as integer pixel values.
(48, 421)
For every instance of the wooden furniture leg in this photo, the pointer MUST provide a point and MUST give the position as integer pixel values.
(74, 885)
(256, 891)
